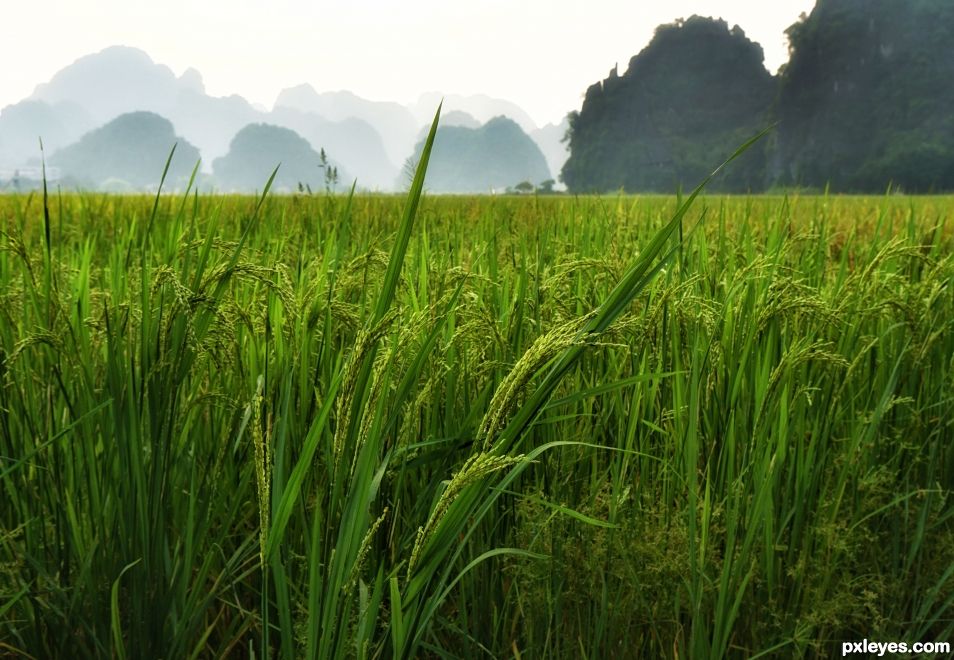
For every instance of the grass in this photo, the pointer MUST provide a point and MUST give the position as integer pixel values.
(364, 426)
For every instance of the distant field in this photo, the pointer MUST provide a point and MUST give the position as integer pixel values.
(228, 430)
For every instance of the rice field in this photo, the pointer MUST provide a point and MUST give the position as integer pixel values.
(462, 427)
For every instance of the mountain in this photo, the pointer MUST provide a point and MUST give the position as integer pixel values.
(211, 121)
(112, 82)
(687, 100)
(456, 118)
(23, 124)
(448, 119)
(552, 142)
(119, 80)
(493, 157)
(258, 148)
(368, 138)
(353, 142)
(129, 152)
(396, 125)
(866, 99)
(480, 106)
(96, 88)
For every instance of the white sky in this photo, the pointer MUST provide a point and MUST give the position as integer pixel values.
(540, 54)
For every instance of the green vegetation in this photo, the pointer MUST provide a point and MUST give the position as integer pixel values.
(124, 154)
(863, 100)
(324, 426)
(694, 93)
(480, 160)
(863, 104)
(258, 149)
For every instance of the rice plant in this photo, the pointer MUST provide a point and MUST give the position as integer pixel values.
(372, 426)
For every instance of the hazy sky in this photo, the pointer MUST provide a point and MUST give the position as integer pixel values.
(541, 54)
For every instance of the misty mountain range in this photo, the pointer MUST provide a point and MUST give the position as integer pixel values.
(369, 140)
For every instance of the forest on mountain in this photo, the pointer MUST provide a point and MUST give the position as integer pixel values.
(863, 104)
(694, 93)
(866, 98)
(127, 154)
(257, 149)
(490, 158)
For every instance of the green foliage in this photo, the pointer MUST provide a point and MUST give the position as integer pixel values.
(480, 160)
(258, 148)
(124, 153)
(863, 104)
(694, 93)
(360, 426)
(864, 101)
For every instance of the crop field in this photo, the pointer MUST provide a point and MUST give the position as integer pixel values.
(326, 426)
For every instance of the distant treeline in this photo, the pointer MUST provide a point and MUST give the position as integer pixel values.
(865, 102)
